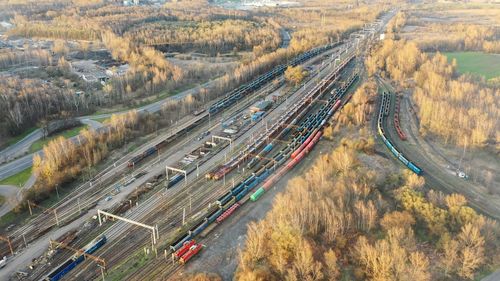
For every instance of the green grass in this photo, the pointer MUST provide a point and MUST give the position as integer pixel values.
(486, 65)
(36, 146)
(101, 120)
(18, 179)
(2, 200)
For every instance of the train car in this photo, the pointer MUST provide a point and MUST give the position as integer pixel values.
(199, 228)
(224, 199)
(414, 168)
(195, 249)
(136, 159)
(214, 215)
(229, 204)
(64, 268)
(383, 110)
(76, 259)
(174, 180)
(238, 188)
(185, 247)
(227, 213)
(94, 245)
(179, 242)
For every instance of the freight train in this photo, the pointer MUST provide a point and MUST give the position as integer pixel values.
(76, 259)
(310, 128)
(384, 111)
(276, 130)
(311, 131)
(400, 132)
(231, 98)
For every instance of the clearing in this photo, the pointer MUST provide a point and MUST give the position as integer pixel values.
(39, 144)
(484, 64)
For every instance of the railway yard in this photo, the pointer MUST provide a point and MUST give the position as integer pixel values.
(315, 149)
(179, 186)
(182, 195)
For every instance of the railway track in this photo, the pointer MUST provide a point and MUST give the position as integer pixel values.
(438, 177)
(159, 269)
(204, 196)
(87, 195)
(153, 202)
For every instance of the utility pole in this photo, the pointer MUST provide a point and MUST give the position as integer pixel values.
(29, 207)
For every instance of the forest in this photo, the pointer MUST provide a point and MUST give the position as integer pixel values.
(466, 29)
(124, 32)
(64, 160)
(346, 219)
(206, 37)
(458, 109)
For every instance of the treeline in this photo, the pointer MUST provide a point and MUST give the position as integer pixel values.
(25, 58)
(149, 70)
(460, 36)
(64, 159)
(396, 24)
(359, 109)
(207, 36)
(340, 221)
(456, 109)
(24, 102)
(320, 26)
(60, 28)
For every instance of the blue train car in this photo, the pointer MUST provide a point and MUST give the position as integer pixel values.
(96, 244)
(238, 188)
(414, 168)
(174, 180)
(224, 199)
(67, 266)
(212, 217)
(150, 151)
(178, 244)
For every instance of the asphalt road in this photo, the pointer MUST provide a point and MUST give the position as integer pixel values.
(15, 166)
(495, 276)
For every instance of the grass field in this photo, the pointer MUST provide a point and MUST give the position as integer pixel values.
(18, 179)
(487, 65)
(36, 146)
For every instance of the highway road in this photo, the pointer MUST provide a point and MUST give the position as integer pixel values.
(17, 165)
